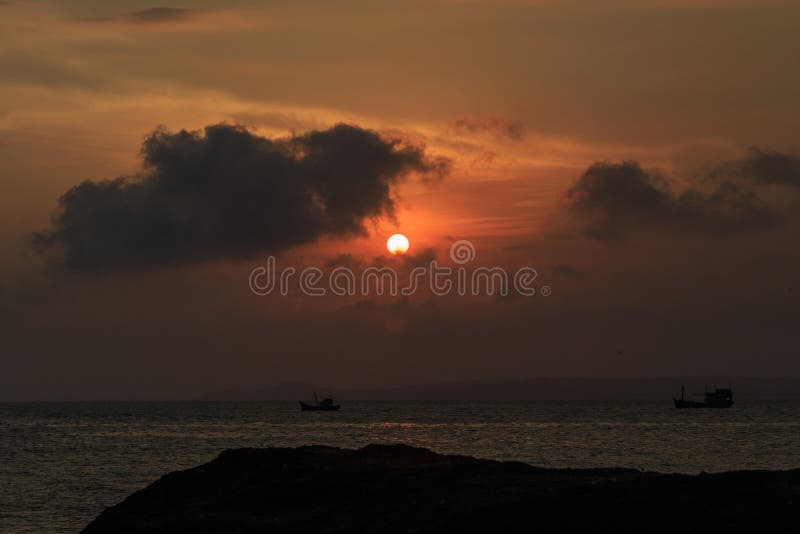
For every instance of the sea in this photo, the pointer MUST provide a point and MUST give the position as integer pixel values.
(61, 464)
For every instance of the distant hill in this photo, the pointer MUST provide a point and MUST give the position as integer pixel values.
(528, 389)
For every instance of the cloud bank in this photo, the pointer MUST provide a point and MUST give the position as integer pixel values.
(765, 167)
(230, 193)
(613, 199)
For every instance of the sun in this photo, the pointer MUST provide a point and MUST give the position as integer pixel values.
(397, 244)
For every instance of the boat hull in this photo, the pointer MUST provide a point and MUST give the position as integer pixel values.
(318, 408)
(679, 403)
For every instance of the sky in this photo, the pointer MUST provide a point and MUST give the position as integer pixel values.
(641, 156)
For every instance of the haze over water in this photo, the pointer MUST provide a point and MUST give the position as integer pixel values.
(61, 464)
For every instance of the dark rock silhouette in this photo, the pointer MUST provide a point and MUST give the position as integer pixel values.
(397, 488)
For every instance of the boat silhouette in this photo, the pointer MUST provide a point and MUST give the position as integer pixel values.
(324, 405)
(717, 398)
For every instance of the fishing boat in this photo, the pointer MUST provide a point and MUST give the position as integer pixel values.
(324, 405)
(716, 398)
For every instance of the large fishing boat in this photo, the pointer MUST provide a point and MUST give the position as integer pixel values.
(716, 398)
(324, 405)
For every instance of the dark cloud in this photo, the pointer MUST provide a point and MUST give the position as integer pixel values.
(160, 14)
(420, 259)
(768, 167)
(401, 262)
(497, 126)
(153, 15)
(342, 260)
(613, 199)
(230, 193)
(407, 261)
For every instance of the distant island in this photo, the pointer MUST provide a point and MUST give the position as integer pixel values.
(397, 488)
(663, 389)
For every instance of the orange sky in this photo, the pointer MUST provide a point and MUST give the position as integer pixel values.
(521, 96)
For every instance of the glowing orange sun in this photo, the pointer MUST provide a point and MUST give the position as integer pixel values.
(397, 244)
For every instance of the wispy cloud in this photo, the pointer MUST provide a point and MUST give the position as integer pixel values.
(170, 18)
(500, 127)
(161, 14)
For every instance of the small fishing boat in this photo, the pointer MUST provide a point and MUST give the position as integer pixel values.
(717, 398)
(324, 405)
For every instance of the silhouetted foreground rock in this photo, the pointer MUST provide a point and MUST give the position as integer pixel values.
(396, 488)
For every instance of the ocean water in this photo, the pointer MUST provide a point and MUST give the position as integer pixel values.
(62, 463)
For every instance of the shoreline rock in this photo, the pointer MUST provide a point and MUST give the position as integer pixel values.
(398, 488)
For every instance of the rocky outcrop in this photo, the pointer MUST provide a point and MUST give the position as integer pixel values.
(396, 488)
